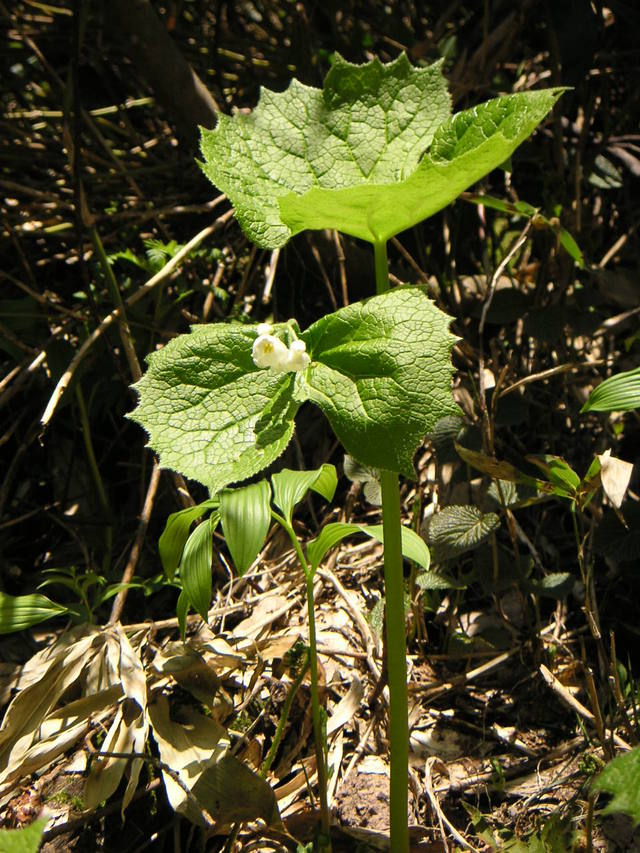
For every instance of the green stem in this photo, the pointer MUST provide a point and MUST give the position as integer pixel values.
(395, 630)
(318, 727)
(284, 716)
(97, 479)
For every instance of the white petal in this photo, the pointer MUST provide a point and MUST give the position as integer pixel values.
(269, 351)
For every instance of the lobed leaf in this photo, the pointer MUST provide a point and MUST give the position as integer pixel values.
(369, 124)
(211, 414)
(381, 372)
(348, 156)
(464, 149)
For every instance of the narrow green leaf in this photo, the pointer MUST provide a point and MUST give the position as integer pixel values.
(290, 487)
(457, 529)
(413, 547)
(246, 515)
(621, 778)
(619, 393)
(175, 533)
(22, 611)
(210, 412)
(570, 246)
(195, 568)
(559, 473)
(182, 608)
(381, 372)
(25, 840)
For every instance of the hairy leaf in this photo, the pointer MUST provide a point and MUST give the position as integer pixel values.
(381, 372)
(369, 124)
(457, 529)
(348, 156)
(210, 412)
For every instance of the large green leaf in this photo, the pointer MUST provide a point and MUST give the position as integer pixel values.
(381, 372)
(290, 487)
(22, 611)
(210, 412)
(621, 777)
(348, 156)
(368, 124)
(246, 515)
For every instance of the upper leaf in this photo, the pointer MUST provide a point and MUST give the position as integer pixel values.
(348, 156)
(210, 412)
(369, 124)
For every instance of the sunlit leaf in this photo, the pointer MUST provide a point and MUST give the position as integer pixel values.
(290, 487)
(619, 393)
(246, 515)
(458, 529)
(621, 778)
(352, 155)
(25, 840)
(18, 612)
(413, 546)
(195, 568)
(176, 532)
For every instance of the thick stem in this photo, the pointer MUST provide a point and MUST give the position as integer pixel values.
(396, 661)
(395, 630)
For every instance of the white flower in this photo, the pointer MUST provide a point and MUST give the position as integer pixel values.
(298, 358)
(269, 351)
(264, 328)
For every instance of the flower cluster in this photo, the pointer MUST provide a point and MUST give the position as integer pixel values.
(269, 351)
